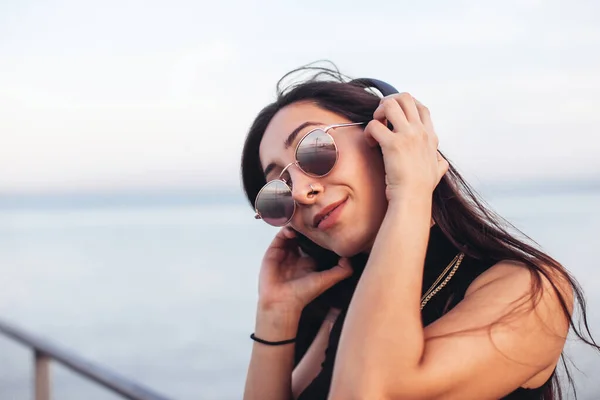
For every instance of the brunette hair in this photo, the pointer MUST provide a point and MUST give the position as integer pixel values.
(458, 209)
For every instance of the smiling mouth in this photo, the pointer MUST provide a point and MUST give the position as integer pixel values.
(324, 217)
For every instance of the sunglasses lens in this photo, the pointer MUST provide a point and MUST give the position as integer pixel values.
(316, 153)
(275, 204)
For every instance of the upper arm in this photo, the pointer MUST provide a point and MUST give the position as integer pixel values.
(497, 330)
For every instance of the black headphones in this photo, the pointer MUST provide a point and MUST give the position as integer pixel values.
(383, 87)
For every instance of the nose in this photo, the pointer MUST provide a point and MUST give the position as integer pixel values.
(304, 188)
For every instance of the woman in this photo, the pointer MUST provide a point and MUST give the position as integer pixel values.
(389, 279)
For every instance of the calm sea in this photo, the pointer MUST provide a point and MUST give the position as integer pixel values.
(166, 294)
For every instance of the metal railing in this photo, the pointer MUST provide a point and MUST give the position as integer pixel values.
(44, 352)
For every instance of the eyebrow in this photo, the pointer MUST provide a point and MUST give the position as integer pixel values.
(290, 139)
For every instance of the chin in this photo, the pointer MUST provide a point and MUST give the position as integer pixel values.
(350, 246)
(350, 238)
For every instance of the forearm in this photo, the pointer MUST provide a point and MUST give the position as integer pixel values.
(310, 365)
(270, 370)
(383, 332)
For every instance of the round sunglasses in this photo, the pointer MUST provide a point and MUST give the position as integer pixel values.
(316, 154)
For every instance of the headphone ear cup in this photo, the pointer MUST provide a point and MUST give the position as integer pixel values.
(383, 87)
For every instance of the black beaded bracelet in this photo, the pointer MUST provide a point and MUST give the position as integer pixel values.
(271, 343)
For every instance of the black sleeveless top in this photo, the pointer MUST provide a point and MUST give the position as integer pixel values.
(440, 251)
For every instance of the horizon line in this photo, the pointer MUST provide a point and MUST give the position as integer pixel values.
(190, 196)
(501, 183)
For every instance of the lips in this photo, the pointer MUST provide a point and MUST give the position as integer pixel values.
(319, 217)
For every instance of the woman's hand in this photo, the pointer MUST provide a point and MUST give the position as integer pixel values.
(288, 280)
(412, 162)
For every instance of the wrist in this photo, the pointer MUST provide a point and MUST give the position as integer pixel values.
(276, 324)
(416, 201)
(407, 190)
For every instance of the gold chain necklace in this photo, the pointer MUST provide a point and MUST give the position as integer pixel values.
(433, 290)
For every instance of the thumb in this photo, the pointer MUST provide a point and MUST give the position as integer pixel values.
(331, 276)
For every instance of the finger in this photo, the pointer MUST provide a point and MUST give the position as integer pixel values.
(280, 246)
(407, 102)
(370, 140)
(306, 264)
(282, 238)
(390, 109)
(378, 133)
(331, 276)
(425, 117)
(289, 233)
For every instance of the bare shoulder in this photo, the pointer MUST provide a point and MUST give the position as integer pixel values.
(518, 273)
(511, 279)
(511, 323)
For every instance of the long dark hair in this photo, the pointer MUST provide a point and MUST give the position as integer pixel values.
(459, 211)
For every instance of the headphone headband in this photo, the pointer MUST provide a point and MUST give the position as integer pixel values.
(384, 88)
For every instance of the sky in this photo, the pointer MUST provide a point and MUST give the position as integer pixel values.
(122, 95)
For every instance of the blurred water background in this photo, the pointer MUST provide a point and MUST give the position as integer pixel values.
(164, 292)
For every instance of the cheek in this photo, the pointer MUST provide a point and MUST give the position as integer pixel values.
(369, 185)
(364, 168)
(296, 223)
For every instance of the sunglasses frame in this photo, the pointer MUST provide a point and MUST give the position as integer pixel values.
(296, 163)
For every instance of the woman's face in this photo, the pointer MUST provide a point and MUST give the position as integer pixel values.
(357, 181)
